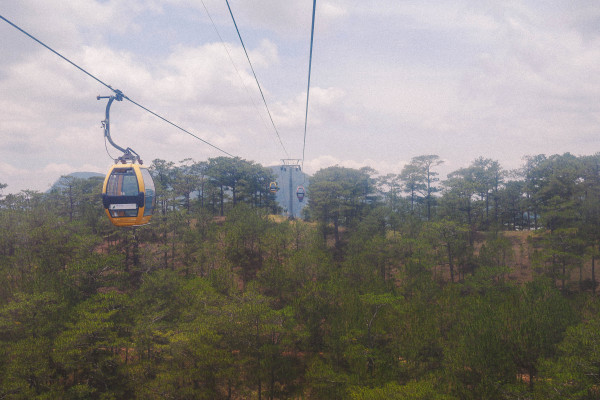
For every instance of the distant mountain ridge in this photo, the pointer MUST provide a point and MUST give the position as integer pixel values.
(78, 175)
(85, 175)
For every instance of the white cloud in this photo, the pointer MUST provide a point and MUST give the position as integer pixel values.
(381, 166)
(8, 170)
(287, 19)
(21, 178)
(457, 79)
(53, 168)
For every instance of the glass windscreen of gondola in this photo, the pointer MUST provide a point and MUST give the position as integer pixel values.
(150, 197)
(123, 182)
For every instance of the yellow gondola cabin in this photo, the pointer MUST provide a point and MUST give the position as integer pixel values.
(128, 195)
(273, 188)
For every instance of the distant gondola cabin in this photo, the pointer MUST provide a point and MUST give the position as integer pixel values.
(300, 192)
(128, 195)
(273, 188)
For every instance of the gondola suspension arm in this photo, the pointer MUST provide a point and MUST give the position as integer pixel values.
(128, 154)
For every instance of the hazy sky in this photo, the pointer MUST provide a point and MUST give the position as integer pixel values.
(391, 80)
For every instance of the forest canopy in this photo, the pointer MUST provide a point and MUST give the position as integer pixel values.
(401, 286)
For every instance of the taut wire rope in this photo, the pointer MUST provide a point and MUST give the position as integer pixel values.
(110, 87)
(312, 35)
(256, 78)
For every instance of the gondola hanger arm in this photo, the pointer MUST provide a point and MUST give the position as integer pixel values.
(128, 154)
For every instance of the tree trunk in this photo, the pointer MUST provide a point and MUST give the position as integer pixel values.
(71, 203)
(593, 274)
(580, 277)
(531, 378)
(126, 254)
(469, 212)
(450, 263)
(136, 250)
(202, 194)
(272, 383)
(222, 195)
(336, 232)
(564, 275)
(166, 242)
(258, 359)
(173, 252)
(428, 194)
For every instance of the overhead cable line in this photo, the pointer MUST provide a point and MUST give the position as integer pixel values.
(58, 54)
(255, 78)
(312, 34)
(114, 90)
(233, 63)
(179, 127)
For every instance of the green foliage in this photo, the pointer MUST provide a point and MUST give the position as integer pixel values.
(340, 196)
(419, 178)
(574, 372)
(88, 349)
(324, 382)
(452, 244)
(422, 390)
(414, 296)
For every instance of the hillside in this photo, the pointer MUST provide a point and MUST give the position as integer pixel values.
(59, 184)
(462, 295)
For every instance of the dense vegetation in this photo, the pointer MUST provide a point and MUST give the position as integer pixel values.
(394, 287)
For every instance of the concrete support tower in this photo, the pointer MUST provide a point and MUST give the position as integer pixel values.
(290, 164)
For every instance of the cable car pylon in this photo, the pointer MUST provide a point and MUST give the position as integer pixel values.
(291, 164)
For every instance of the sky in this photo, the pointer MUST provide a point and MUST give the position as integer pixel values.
(391, 80)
